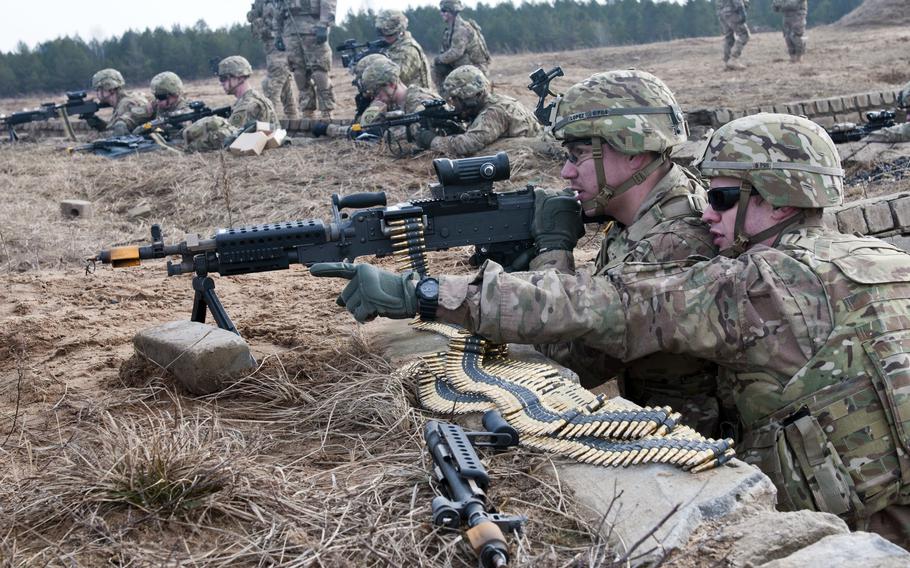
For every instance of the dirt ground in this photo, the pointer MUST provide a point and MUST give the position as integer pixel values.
(315, 459)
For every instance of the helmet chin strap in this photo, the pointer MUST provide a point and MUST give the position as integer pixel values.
(605, 191)
(742, 241)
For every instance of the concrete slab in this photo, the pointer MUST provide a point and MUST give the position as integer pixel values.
(846, 551)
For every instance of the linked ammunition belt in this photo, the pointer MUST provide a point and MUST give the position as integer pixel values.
(551, 412)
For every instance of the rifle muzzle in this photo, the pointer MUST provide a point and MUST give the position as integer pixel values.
(120, 257)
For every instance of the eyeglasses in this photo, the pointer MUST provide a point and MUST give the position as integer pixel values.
(723, 198)
(224, 78)
(161, 96)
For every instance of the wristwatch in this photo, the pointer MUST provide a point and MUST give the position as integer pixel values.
(427, 298)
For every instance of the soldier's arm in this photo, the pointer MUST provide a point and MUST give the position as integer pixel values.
(487, 128)
(461, 36)
(373, 112)
(327, 11)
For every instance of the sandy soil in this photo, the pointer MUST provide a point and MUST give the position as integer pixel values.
(65, 332)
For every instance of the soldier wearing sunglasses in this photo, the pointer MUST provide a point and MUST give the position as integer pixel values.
(167, 88)
(810, 327)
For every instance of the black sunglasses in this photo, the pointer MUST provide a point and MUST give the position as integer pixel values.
(723, 198)
(223, 78)
(161, 96)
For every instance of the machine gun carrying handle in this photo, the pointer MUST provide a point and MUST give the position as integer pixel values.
(498, 433)
(359, 200)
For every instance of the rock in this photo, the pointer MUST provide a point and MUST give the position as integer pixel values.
(846, 551)
(650, 492)
(76, 209)
(878, 217)
(851, 221)
(770, 535)
(201, 357)
(139, 211)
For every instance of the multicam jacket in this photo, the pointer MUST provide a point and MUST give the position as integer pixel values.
(252, 106)
(180, 107)
(132, 110)
(729, 8)
(413, 100)
(463, 44)
(500, 117)
(815, 333)
(666, 228)
(407, 53)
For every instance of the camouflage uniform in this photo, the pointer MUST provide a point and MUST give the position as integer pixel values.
(168, 83)
(497, 116)
(278, 84)
(794, 25)
(898, 132)
(462, 44)
(302, 23)
(814, 332)
(131, 110)
(732, 16)
(404, 51)
(253, 106)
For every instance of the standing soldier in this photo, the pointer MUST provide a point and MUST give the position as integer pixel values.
(392, 26)
(278, 84)
(491, 116)
(732, 16)
(794, 25)
(462, 44)
(305, 32)
(130, 109)
(167, 88)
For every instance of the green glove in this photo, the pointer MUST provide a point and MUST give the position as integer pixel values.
(424, 138)
(557, 220)
(372, 291)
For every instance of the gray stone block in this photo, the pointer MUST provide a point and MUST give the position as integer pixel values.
(836, 104)
(901, 209)
(878, 217)
(846, 551)
(649, 492)
(770, 535)
(851, 221)
(201, 357)
(76, 209)
(139, 211)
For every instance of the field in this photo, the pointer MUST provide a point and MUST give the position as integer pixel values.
(316, 458)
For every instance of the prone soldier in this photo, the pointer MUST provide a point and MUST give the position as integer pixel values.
(732, 16)
(462, 44)
(130, 109)
(167, 88)
(403, 49)
(898, 132)
(382, 83)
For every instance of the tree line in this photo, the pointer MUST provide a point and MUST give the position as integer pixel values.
(68, 63)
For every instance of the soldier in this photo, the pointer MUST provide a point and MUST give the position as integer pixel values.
(898, 132)
(462, 44)
(382, 83)
(167, 88)
(732, 16)
(278, 84)
(130, 109)
(362, 99)
(810, 325)
(305, 32)
(211, 132)
(491, 116)
(794, 25)
(392, 26)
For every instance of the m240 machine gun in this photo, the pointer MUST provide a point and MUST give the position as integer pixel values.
(174, 123)
(75, 105)
(352, 51)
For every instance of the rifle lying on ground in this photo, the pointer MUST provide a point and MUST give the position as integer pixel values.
(75, 105)
(118, 146)
(460, 473)
(352, 52)
(464, 210)
(172, 124)
(850, 132)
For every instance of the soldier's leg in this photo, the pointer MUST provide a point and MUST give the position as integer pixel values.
(271, 85)
(289, 97)
(742, 38)
(296, 54)
(729, 38)
(798, 34)
(319, 62)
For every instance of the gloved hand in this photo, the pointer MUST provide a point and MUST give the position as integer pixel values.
(557, 220)
(94, 121)
(279, 43)
(372, 291)
(424, 138)
(322, 34)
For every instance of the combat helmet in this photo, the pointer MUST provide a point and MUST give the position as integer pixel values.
(788, 160)
(468, 84)
(358, 68)
(453, 6)
(166, 83)
(109, 79)
(235, 66)
(391, 22)
(631, 111)
(379, 74)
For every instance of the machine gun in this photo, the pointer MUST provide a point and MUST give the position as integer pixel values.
(75, 105)
(540, 84)
(850, 132)
(464, 210)
(175, 122)
(351, 51)
(434, 116)
(460, 473)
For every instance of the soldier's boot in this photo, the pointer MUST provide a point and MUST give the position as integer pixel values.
(795, 58)
(734, 64)
(326, 114)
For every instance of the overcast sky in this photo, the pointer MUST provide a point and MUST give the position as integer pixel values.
(49, 19)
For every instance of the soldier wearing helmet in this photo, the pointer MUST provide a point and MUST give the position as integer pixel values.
(278, 85)
(898, 132)
(167, 90)
(130, 109)
(392, 26)
(305, 26)
(462, 44)
(251, 106)
(383, 84)
(809, 325)
(491, 116)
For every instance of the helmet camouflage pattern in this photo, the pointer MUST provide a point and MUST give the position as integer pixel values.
(466, 82)
(391, 22)
(789, 160)
(235, 66)
(378, 74)
(362, 65)
(166, 83)
(633, 111)
(109, 79)
(903, 96)
(451, 6)
(208, 133)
